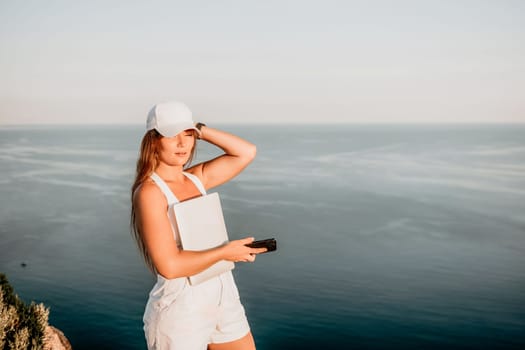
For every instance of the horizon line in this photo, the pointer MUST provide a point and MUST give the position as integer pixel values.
(52, 124)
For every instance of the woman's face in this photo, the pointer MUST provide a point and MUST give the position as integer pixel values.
(176, 150)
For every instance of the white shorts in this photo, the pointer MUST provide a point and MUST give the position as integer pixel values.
(179, 316)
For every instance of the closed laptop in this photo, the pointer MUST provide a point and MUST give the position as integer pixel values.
(200, 226)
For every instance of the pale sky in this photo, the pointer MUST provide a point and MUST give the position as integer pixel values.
(263, 61)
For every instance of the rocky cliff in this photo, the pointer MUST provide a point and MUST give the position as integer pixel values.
(25, 326)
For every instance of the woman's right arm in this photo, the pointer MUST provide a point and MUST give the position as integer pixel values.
(157, 235)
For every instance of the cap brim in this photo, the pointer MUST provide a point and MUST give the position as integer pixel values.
(174, 129)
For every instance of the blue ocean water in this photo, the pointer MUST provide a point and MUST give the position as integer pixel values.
(390, 236)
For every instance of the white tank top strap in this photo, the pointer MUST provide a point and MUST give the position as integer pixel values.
(164, 188)
(196, 181)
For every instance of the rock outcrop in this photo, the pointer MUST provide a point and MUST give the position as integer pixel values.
(54, 339)
(25, 326)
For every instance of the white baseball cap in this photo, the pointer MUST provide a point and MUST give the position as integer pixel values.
(170, 118)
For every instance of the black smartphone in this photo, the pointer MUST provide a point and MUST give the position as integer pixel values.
(270, 244)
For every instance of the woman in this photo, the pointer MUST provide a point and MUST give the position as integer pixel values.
(178, 315)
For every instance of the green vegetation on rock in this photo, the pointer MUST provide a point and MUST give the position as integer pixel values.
(22, 326)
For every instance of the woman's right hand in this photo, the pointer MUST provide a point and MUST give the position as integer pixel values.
(237, 250)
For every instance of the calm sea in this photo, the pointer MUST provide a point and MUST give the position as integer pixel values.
(390, 237)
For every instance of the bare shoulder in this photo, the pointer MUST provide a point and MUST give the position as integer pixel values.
(196, 170)
(149, 192)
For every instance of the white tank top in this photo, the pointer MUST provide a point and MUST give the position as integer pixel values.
(172, 199)
(169, 194)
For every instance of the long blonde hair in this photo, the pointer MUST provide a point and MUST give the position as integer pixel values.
(147, 162)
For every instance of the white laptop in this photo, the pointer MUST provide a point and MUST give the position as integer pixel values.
(200, 226)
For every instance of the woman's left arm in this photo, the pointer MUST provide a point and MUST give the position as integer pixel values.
(238, 153)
